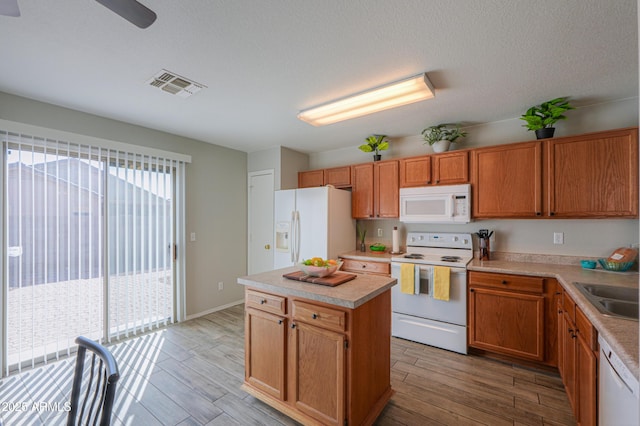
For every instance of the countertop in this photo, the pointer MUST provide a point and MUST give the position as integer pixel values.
(351, 294)
(620, 333)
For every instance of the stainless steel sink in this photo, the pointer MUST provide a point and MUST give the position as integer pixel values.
(614, 301)
(609, 292)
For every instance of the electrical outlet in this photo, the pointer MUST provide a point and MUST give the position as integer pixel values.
(220, 286)
(379, 232)
(558, 238)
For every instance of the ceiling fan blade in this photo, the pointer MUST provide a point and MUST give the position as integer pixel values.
(9, 8)
(131, 10)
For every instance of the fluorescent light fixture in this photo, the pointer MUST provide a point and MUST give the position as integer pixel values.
(403, 92)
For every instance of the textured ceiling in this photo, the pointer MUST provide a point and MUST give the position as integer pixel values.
(263, 61)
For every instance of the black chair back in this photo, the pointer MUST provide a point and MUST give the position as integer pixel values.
(94, 387)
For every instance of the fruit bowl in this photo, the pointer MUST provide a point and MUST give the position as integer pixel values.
(615, 266)
(377, 247)
(319, 271)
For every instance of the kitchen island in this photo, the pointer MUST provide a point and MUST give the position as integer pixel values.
(319, 354)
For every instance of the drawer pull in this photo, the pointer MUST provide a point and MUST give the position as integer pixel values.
(280, 322)
(314, 316)
(505, 282)
(364, 266)
(263, 301)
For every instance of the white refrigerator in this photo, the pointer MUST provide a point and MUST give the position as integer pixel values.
(312, 222)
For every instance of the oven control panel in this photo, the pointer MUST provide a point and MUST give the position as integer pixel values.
(439, 239)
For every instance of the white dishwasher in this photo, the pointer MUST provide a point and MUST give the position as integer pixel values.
(617, 389)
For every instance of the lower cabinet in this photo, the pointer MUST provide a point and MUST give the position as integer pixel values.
(318, 363)
(513, 315)
(578, 351)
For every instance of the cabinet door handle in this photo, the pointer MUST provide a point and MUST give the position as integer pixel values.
(293, 326)
(314, 316)
(471, 290)
(280, 322)
(438, 181)
(263, 301)
(538, 213)
(552, 214)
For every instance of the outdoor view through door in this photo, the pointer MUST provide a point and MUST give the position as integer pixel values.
(70, 271)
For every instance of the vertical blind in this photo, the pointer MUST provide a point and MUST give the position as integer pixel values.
(89, 245)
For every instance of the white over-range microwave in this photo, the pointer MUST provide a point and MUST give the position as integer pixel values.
(436, 204)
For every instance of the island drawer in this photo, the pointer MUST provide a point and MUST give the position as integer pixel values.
(266, 302)
(352, 265)
(320, 316)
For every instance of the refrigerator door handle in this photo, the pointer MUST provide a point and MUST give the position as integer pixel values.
(297, 236)
(292, 242)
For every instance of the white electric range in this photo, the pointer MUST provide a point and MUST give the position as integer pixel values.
(418, 316)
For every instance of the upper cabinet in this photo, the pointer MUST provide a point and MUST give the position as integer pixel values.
(507, 180)
(340, 177)
(442, 169)
(375, 190)
(586, 176)
(593, 175)
(310, 178)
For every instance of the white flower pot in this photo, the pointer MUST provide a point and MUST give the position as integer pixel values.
(441, 146)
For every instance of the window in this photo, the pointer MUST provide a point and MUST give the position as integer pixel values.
(90, 237)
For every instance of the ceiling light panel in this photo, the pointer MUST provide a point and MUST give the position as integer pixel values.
(403, 92)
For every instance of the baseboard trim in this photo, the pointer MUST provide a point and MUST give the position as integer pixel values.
(212, 310)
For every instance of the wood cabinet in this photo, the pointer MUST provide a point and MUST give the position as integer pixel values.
(579, 367)
(513, 315)
(362, 191)
(340, 177)
(310, 179)
(593, 175)
(386, 189)
(366, 267)
(318, 363)
(507, 181)
(375, 190)
(441, 169)
(586, 176)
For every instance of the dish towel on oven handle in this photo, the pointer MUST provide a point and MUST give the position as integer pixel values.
(441, 279)
(408, 278)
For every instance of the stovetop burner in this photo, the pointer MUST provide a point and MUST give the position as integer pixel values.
(451, 258)
(413, 256)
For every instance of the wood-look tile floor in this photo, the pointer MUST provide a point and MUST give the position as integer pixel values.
(190, 374)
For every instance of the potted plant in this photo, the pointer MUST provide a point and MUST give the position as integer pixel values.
(541, 118)
(441, 136)
(375, 143)
(362, 233)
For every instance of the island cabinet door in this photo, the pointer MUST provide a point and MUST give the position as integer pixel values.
(265, 352)
(318, 372)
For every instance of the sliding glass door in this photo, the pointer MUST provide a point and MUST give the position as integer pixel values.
(89, 243)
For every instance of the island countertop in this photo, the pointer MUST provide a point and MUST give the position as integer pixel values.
(351, 294)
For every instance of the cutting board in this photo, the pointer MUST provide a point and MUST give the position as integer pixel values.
(332, 280)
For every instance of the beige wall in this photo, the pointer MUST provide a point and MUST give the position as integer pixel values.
(216, 201)
(588, 238)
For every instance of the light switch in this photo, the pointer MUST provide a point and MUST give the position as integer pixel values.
(193, 236)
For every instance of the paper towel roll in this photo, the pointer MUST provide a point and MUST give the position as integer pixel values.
(396, 240)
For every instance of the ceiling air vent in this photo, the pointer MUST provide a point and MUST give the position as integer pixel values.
(176, 85)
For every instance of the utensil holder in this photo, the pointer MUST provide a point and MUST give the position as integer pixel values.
(485, 249)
